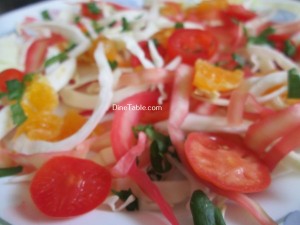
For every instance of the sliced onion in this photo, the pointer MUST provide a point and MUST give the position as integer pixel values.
(122, 167)
(283, 147)
(195, 122)
(66, 30)
(60, 77)
(266, 54)
(264, 132)
(235, 111)
(6, 123)
(25, 146)
(180, 108)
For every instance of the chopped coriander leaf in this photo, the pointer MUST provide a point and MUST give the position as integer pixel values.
(2, 94)
(58, 58)
(293, 83)
(268, 31)
(159, 163)
(93, 8)
(262, 38)
(125, 24)
(71, 46)
(97, 27)
(124, 195)
(289, 48)
(15, 89)
(245, 32)
(159, 147)
(77, 19)
(10, 171)
(28, 77)
(111, 24)
(18, 114)
(45, 15)
(113, 64)
(156, 43)
(239, 60)
(179, 25)
(153, 174)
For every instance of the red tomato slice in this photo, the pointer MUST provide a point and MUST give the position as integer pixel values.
(226, 163)
(237, 12)
(279, 40)
(9, 74)
(66, 186)
(192, 44)
(87, 12)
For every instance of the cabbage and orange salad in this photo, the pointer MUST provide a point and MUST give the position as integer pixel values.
(175, 103)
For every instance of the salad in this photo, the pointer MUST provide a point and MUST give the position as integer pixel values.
(105, 107)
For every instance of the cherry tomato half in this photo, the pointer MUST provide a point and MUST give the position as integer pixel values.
(192, 44)
(66, 186)
(226, 163)
(9, 74)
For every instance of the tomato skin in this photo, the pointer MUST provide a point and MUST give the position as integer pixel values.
(9, 74)
(237, 12)
(224, 161)
(85, 11)
(66, 186)
(191, 44)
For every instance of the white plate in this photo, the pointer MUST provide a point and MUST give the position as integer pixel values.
(15, 205)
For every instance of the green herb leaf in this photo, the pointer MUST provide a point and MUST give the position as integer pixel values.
(293, 83)
(45, 15)
(179, 25)
(159, 147)
(268, 31)
(98, 29)
(2, 95)
(154, 175)
(28, 77)
(125, 25)
(93, 8)
(289, 48)
(159, 163)
(77, 19)
(113, 64)
(15, 89)
(10, 171)
(58, 58)
(204, 212)
(239, 60)
(124, 195)
(18, 114)
(262, 38)
(155, 41)
(111, 24)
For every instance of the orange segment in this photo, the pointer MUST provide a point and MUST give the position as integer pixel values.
(113, 51)
(212, 78)
(172, 10)
(39, 96)
(72, 122)
(208, 5)
(43, 126)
